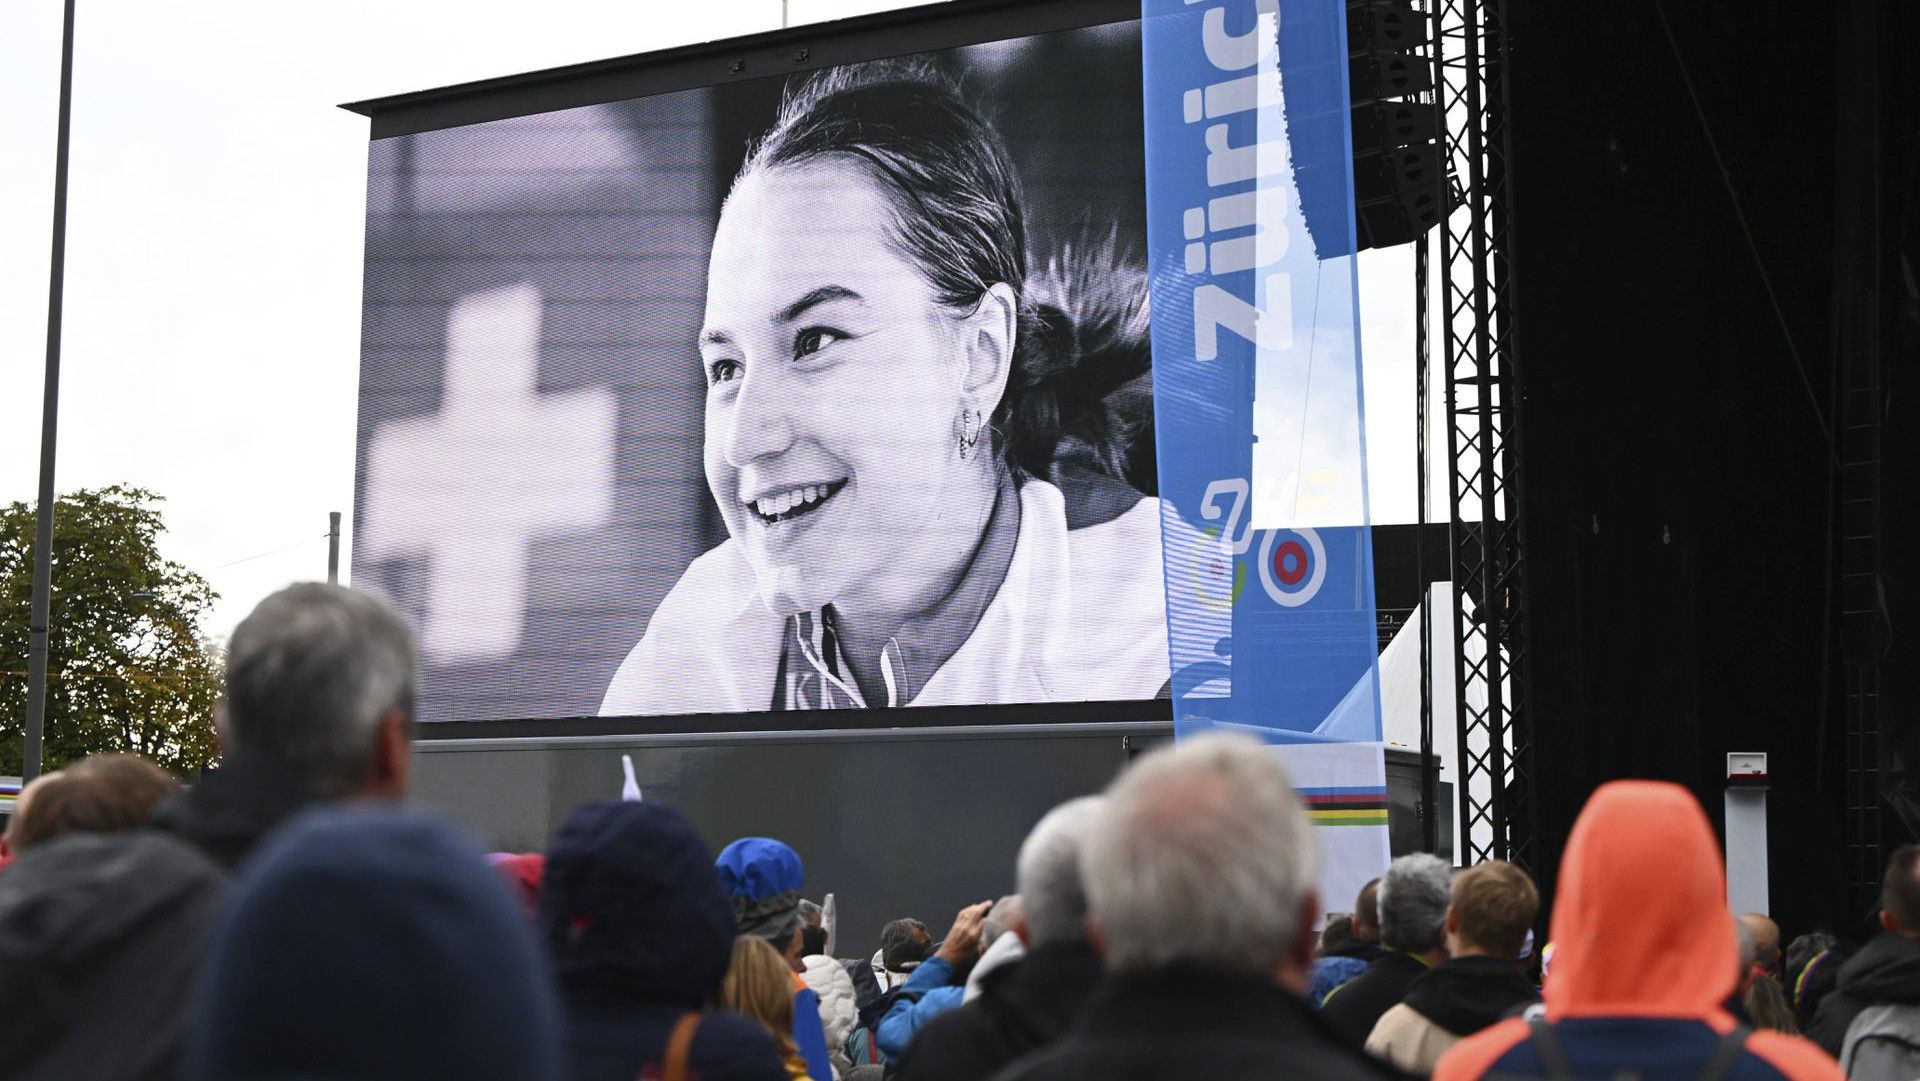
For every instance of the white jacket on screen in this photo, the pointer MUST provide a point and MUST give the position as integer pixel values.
(1080, 617)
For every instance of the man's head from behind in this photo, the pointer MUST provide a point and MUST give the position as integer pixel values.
(1337, 933)
(1494, 905)
(1414, 895)
(102, 793)
(320, 678)
(1366, 912)
(1900, 892)
(1766, 942)
(1053, 892)
(1205, 859)
(904, 943)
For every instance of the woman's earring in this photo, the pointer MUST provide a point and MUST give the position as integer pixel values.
(969, 433)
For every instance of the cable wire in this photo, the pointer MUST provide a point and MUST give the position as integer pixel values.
(1746, 230)
(263, 555)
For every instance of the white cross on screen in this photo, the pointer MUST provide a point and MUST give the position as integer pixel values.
(505, 462)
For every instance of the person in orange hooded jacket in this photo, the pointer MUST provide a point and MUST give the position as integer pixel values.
(1644, 959)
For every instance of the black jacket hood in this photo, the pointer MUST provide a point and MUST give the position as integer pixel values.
(99, 932)
(1887, 969)
(1353, 947)
(632, 909)
(232, 806)
(1466, 994)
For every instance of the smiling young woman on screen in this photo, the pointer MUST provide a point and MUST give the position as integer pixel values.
(913, 445)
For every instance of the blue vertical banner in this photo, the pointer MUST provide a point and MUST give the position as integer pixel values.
(1258, 410)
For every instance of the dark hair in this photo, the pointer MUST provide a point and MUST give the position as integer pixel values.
(960, 216)
(103, 793)
(1337, 933)
(1900, 890)
(812, 940)
(1802, 950)
(1366, 908)
(901, 946)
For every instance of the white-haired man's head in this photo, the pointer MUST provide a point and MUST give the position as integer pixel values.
(1053, 892)
(320, 678)
(1414, 895)
(1205, 859)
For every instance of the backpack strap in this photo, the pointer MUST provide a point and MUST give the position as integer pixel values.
(1553, 1056)
(680, 1047)
(1725, 1054)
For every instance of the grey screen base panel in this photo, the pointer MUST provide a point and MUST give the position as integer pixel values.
(895, 822)
(898, 822)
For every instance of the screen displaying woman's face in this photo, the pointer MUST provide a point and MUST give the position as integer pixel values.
(834, 390)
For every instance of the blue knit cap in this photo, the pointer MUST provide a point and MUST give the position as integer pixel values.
(763, 877)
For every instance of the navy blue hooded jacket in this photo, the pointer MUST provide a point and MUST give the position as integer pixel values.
(371, 944)
(641, 934)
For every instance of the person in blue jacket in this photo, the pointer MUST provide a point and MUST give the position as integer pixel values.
(763, 876)
(937, 985)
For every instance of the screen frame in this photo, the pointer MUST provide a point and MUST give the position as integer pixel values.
(774, 54)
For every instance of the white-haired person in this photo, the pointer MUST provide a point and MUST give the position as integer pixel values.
(1200, 877)
(317, 707)
(1028, 1003)
(1479, 984)
(1414, 896)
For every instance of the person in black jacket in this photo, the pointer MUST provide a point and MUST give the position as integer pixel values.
(1342, 957)
(642, 935)
(1200, 878)
(317, 706)
(98, 934)
(1480, 982)
(1414, 894)
(1024, 1004)
(1887, 968)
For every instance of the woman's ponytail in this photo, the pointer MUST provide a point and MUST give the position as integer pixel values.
(1078, 398)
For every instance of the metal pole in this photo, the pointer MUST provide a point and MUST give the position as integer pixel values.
(1422, 352)
(333, 547)
(40, 611)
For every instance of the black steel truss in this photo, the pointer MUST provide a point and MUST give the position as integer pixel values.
(1473, 324)
(1860, 360)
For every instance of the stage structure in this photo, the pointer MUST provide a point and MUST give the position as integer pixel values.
(651, 420)
(1471, 316)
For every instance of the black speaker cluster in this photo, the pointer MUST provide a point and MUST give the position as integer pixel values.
(1397, 159)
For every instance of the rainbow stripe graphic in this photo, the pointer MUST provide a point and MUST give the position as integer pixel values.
(1365, 806)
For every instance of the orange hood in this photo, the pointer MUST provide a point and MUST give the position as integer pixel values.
(1641, 926)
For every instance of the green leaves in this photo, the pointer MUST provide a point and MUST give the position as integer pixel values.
(128, 669)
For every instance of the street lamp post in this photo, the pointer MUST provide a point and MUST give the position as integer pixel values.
(39, 612)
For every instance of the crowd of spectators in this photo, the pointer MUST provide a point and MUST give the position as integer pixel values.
(286, 917)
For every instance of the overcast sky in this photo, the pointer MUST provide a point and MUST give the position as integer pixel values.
(216, 233)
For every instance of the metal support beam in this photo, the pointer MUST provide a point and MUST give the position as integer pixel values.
(1481, 386)
(333, 547)
(1860, 357)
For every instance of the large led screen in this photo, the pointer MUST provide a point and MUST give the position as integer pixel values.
(818, 391)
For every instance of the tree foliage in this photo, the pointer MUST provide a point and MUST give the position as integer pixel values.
(128, 669)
